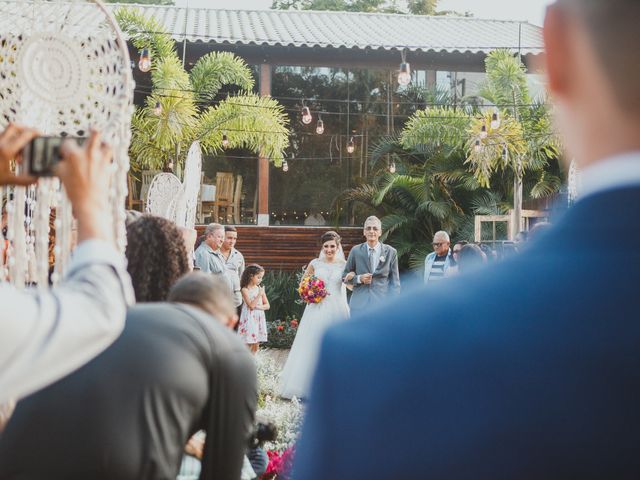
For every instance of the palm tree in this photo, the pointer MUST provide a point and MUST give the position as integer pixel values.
(531, 143)
(180, 106)
(519, 144)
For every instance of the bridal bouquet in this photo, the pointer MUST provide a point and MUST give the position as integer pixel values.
(312, 289)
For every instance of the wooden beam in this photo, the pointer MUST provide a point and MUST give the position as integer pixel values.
(263, 162)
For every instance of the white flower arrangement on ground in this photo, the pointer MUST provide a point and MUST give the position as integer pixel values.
(286, 415)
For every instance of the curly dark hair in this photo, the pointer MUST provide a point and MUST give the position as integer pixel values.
(157, 257)
(248, 273)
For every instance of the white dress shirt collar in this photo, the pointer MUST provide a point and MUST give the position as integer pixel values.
(615, 172)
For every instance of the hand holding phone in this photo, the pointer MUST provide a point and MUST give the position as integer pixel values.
(12, 141)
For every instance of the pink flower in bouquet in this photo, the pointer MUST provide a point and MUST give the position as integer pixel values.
(312, 290)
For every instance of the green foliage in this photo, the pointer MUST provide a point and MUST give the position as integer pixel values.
(281, 333)
(443, 179)
(415, 7)
(251, 122)
(281, 289)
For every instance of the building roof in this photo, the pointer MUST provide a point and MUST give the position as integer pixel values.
(351, 30)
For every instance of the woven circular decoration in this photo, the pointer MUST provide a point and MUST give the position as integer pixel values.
(53, 71)
(64, 69)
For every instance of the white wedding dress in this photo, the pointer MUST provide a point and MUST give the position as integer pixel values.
(296, 376)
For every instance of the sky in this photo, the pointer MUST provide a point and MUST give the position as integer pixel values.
(530, 10)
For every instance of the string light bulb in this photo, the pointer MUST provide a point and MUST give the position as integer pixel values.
(225, 141)
(320, 127)
(144, 64)
(285, 167)
(483, 131)
(392, 167)
(404, 75)
(495, 120)
(158, 109)
(351, 146)
(306, 115)
(478, 145)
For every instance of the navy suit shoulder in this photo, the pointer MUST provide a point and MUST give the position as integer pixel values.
(523, 370)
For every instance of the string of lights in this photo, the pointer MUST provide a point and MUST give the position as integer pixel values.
(150, 89)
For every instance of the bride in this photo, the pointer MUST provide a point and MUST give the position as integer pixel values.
(296, 376)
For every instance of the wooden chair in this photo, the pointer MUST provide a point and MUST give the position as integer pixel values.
(251, 211)
(224, 195)
(237, 196)
(133, 202)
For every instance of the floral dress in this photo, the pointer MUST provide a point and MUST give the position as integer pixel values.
(253, 323)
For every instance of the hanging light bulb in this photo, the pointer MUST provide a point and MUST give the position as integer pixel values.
(351, 146)
(320, 126)
(505, 152)
(392, 167)
(158, 109)
(495, 120)
(404, 74)
(478, 145)
(483, 131)
(306, 116)
(225, 141)
(144, 64)
(285, 166)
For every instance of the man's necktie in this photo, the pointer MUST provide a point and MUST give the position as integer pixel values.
(371, 250)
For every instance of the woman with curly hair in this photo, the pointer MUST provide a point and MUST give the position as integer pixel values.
(156, 255)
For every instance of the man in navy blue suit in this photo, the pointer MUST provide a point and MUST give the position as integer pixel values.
(531, 369)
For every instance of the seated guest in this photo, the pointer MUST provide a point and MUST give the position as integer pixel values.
(156, 255)
(128, 413)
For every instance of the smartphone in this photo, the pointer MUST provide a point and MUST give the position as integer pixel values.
(41, 154)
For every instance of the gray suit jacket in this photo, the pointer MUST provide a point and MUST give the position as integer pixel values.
(386, 279)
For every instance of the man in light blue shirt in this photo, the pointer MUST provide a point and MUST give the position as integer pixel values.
(438, 262)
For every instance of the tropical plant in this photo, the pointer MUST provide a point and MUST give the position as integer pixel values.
(444, 178)
(514, 139)
(181, 106)
(281, 290)
(521, 140)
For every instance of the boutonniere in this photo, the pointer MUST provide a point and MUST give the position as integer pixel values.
(382, 259)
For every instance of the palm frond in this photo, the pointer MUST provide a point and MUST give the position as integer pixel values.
(436, 126)
(145, 32)
(258, 124)
(217, 69)
(546, 186)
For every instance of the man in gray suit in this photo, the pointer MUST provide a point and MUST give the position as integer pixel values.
(375, 266)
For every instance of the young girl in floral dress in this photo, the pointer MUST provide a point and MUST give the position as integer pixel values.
(253, 323)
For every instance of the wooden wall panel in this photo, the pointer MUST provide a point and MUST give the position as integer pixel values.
(287, 248)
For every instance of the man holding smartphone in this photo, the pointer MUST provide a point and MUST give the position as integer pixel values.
(47, 334)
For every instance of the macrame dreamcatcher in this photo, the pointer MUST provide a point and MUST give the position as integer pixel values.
(187, 207)
(176, 201)
(165, 192)
(574, 182)
(64, 68)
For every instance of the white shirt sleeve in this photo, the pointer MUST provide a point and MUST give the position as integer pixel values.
(45, 335)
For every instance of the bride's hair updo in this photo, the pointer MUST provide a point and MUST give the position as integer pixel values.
(330, 235)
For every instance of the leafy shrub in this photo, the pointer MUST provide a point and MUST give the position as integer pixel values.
(280, 333)
(281, 289)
